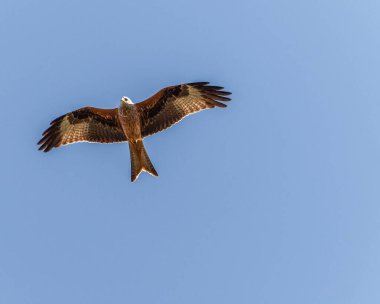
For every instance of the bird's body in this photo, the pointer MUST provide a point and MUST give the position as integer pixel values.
(129, 118)
(132, 122)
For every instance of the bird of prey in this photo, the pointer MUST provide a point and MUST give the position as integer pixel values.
(132, 122)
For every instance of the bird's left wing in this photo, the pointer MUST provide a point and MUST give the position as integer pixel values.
(172, 104)
(84, 125)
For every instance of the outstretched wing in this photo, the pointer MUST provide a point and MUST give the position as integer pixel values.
(86, 124)
(172, 104)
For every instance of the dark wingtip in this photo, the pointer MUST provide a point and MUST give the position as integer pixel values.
(224, 93)
(217, 97)
(50, 137)
(198, 84)
(214, 94)
(219, 104)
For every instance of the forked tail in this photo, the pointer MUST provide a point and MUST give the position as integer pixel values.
(140, 160)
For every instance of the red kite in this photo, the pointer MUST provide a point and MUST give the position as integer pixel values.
(132, 122)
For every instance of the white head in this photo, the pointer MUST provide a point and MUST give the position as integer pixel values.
(126, 100)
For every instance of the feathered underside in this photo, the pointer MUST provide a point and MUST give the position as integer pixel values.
(172, 104)
(84, 125)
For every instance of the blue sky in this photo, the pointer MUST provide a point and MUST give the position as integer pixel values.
(274, 199)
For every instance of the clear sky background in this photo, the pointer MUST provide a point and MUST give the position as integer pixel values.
(275, 199)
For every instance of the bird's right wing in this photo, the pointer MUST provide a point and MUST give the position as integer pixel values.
(172, 104)
(84, 125)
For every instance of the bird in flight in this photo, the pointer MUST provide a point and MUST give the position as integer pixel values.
(132, 122)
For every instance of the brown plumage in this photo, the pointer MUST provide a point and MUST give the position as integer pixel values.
(132, 122)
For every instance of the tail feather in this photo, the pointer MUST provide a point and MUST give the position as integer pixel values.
(140, 160)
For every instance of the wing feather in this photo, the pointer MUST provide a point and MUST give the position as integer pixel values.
(83, 125)
(172, 104)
